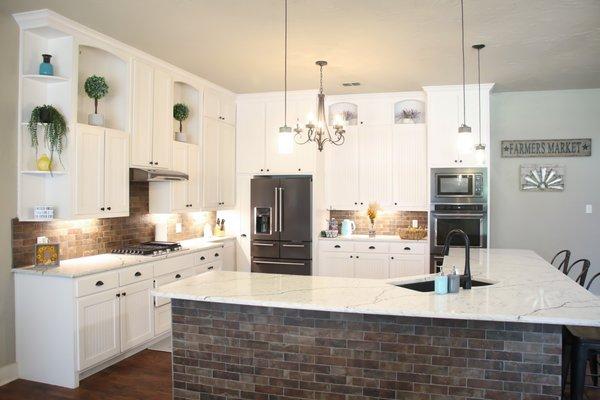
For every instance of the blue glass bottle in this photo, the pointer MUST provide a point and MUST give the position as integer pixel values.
(45, 67)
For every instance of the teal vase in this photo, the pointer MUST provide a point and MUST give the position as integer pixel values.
(45, 67)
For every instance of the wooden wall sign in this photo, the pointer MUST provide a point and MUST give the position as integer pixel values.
(547, 148)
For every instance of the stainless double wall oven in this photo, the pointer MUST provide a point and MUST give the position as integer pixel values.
(458, 201)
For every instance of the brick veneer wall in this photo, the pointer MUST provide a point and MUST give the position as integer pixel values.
(80, 238)
(387, 223)
(223, 351)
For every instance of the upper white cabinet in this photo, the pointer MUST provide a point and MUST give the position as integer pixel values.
(219, 106)
(342, 172)
(375, 164)
(259, 120)
(102, 172)
(445, 115)
(152, 122)
(218, 164)
(374, 112)
(409, 165)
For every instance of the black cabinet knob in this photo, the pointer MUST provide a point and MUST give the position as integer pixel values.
(124, 293)
(216, 254)
(268, 169)
(138, 273)
(118, 294)
(395, 204)
(150, 162)
(177, 276)
(351, 256)
(108, 208)
(299, 169)
(202, 258)
(392, 257)
(356, 256)
(155, 162)
(261, 170)
(355, 203)
(99, 283)
(371, 247)
(211, 267)
(101, 208)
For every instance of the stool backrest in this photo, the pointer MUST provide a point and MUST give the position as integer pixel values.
(589, 285)
(585, 266)
(562, 257)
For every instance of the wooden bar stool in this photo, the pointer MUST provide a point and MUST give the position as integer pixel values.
(585, 346)
(585, 266)
(562, 257)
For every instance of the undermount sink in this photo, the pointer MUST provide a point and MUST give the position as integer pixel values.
(428, 286)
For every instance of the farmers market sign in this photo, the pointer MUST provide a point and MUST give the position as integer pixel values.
(547, 148)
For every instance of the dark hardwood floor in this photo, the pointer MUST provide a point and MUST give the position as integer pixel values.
(146, 375)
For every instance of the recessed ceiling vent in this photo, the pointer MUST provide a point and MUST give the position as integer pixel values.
(351, 84)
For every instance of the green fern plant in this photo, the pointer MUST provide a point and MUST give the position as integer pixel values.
(54, 126)
(181, 112)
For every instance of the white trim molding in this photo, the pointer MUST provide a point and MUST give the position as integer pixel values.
(8, 373)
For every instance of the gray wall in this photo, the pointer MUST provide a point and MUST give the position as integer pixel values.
(547, 222)
(8, 182)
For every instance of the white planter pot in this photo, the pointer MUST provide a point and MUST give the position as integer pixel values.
(180, 137)
(407, 121)
(96, 119)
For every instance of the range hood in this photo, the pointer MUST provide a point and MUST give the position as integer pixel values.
(155, 175)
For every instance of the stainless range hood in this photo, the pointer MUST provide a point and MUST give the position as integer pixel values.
(155, 175)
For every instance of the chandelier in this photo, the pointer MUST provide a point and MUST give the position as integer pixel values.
(318, 131)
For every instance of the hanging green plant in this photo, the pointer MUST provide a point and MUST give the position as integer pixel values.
(55, 129)
(96, 88)
(181, 112)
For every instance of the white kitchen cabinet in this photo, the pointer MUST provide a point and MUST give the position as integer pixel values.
(375, 112)
(219, 106)
(342, 172)
(375, 164)
(179, 189)
(137, 314)
(371, 266)
(406, 265)
(409, 168)
(226, 166)
(243, 253)
(218, 170)
(251, 137)
(98, 326)
(152, 117)
(228, 255)
(102, 172)
(194, 183)
(336, 264)
(445, 115)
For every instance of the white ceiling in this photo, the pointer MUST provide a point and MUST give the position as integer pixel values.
(387, 45)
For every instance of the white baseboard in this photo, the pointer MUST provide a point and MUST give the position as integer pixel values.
(8, 373)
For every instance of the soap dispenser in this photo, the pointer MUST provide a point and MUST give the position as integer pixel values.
(441, 283)
(453, 281)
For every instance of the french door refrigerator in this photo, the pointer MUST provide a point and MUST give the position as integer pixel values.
(281, 209)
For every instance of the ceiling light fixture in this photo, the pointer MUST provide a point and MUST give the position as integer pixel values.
(480, 147)
(285, 140)
(464, 128)
(319, 132)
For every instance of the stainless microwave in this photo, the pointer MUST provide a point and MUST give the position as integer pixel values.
(458, 185)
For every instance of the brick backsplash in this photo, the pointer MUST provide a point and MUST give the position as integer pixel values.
(226, 351)
(387, 222)
(80, 238)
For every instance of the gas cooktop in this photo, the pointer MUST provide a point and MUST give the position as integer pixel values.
(149, 248)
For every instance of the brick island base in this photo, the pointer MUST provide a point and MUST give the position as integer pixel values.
(224, 351)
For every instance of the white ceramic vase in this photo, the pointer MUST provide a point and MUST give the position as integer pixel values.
(180, 137)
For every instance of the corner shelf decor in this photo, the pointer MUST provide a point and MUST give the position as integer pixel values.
(96, 88)
(55, 131)
(409, 112)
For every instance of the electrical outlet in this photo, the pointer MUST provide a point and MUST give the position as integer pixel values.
(178, 227)
(588, 208)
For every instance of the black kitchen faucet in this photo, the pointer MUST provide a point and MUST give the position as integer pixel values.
(465, 278)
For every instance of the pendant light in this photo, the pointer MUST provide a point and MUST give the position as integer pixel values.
(285, 140)
(465, 141)
(480, 147)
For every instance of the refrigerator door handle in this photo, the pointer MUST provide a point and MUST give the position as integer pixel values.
(280, 218)
(263, 244)
(278, 263)
(276, 211)
(292, 245)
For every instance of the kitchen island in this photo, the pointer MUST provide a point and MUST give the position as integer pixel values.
(241, 335)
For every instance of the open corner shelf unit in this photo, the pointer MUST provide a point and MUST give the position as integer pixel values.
(191, 96)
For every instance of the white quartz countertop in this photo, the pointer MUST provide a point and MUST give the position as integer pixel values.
(378, 238)
(76, 267)
(526, 289)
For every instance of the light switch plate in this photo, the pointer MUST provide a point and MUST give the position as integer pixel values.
(588, 208)
(178, 228)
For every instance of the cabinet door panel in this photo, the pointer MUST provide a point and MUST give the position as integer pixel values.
(275, 162)
(371, 266)
(194, 185)
(89, 198)
(162, 133)
(251, 137)
(409, 172)
(442, 129)
(98, 327)
(141, 134)
(227, 165)
(227, 108)
(336, 264)
(210, 163)
(407, 265)
(179, 190)
(304, 154)
(116, 172)
(341, 173)
(375, 169)
(211, 104)
(137, 311)
(375, 112)
(243, 207)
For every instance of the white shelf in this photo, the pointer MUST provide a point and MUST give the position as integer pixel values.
(43, 172)
(46, 78)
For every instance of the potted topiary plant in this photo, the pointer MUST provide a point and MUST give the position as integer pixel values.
(410, 116)
(96, 88)
(180, 112)
(55, 132)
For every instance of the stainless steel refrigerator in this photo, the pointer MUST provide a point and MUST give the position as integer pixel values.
(281, 209)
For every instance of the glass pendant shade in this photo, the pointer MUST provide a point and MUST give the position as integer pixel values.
(466, 142)
(285, 140)
(480, 155)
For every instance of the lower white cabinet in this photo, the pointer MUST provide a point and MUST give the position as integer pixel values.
(407, 265)
(336, 264)
(137, 319)
(229, 257)
(371, 266)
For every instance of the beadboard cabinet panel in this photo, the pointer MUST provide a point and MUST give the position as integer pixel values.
(210, 166)
(342, 173)
(116, 172)
(375, 164)
(251, 137)
(409, 177)
(142, 122)
(89, 143)
(226, 165)
(162, 130)
(371, 266)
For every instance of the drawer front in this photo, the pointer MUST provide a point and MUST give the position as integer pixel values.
(136, 273)
(260, 248)
(299, 251)
(96, 283)
(203, 257)
(162, 319)
(173, 264)
(371, 247)
(169, 278)
(331, 245)
(213, 266)
(407, 248)
(215, 254)
(282, 266)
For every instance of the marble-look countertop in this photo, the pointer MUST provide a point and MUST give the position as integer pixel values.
(76, 267)
(378, 238)
(526, 289)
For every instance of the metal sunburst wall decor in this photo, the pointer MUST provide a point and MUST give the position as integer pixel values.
(542, 178)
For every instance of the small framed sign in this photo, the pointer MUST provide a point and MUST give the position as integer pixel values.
(47, 255)
(547, 148)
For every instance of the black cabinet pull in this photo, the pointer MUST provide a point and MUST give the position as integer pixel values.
(155, 162)
(211, 267)
(268, 169)
(243, 235)
(150, 162)
(392, 257)
(101, 208)
(118, 294)
(356, 256)
(216, 254)
(138, 273)
(99, 283)
(337, 246)
(355, 203)
(177, 276)
(395, 204)
(371, 247)
(455, 160)
(108, 208)
(124, 293)
(261, 170)
(202, 258)
(351, 256)
(299, 169)
(407, 248)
